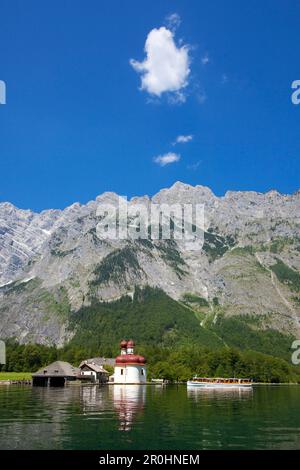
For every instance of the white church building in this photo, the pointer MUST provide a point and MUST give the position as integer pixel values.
(129, 367)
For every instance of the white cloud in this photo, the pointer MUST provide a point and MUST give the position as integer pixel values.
(173, 21)
(167, 158)
(183, 139)
(205, 59)
(166, 66)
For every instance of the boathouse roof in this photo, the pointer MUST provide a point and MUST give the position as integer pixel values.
(57, 369)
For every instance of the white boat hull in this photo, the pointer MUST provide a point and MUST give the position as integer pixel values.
(216, 385)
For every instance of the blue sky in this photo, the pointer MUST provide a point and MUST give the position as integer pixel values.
(76, 122)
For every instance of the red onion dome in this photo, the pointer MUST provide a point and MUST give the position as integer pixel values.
(130, 359)
(123, 344)
(130, 344)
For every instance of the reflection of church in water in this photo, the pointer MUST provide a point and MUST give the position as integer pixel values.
(129, 402)
(125, 392)
(128, 392)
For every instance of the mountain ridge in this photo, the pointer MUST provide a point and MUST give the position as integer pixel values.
(53, 263)
(177, 183)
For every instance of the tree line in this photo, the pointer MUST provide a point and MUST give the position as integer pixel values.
(173, 364)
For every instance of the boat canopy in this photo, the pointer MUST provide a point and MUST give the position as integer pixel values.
(230, 380)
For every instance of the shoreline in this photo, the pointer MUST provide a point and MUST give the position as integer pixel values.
(29, 382)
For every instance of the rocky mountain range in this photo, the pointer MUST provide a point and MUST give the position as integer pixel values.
(53, 263)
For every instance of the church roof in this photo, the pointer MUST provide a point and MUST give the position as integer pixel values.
(130, 359)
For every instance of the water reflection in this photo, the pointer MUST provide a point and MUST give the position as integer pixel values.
(93, 399)
(33, 417)
(91, 417)
(198, 393)
(129, 401)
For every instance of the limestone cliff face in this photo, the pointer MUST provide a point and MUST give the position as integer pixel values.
(54, 262)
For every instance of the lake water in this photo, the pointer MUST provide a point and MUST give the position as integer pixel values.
(149, 417)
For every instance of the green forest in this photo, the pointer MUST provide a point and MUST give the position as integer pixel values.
(169, 334)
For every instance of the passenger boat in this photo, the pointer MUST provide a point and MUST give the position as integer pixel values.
(229, 383)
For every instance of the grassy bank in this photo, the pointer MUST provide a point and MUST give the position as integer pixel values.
(15, 375)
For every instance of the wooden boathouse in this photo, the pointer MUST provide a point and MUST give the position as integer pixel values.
(56, 374)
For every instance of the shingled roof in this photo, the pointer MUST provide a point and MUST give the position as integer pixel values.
(57, 369)
(93, 366)
(99, 361)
